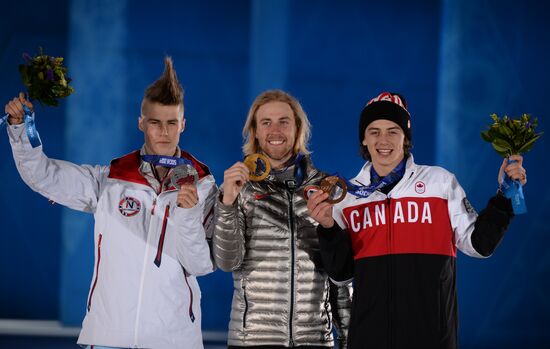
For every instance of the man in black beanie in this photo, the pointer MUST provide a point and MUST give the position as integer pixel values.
(397, 232)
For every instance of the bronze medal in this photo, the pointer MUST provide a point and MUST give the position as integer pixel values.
(258, 165)
(334, 186)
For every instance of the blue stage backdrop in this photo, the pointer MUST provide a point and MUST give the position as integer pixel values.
(456, 61)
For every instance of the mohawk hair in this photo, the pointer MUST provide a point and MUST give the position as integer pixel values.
(167, 90)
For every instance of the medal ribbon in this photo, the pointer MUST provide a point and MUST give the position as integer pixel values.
(377, 182)
(298, 171)
(513, 190)
(165, 161)
(30, 128)
(3, 121)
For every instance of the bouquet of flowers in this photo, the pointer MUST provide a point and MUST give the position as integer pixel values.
(512, 136)
(45, 78)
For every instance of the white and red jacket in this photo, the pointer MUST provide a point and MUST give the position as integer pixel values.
(143, 293)
(399, 245)
(426, 212)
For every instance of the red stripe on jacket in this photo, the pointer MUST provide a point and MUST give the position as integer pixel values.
(127, 167)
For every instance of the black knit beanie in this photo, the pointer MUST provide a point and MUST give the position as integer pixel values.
(389, 106)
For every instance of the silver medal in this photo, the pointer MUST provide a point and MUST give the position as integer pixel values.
(183, 174)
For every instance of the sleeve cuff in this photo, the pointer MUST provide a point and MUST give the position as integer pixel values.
(502, 204)
(224, 207)
(331, 234)
(15, 132)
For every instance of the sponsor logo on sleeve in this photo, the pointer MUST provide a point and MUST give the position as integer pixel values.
(468, 206)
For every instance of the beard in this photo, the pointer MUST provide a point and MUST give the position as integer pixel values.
(278, 154)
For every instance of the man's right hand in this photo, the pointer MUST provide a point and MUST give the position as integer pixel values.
(234, 179)
(319, 209)
(15, 109)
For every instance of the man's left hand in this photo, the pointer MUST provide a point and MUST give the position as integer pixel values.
(187, 196)
(514, 170)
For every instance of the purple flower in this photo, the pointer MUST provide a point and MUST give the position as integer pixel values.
(27, 57)
(49, 75)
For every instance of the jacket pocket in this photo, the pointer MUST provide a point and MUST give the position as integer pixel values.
(191, 314)
(96, 272)
(160, 246)
(245, 307)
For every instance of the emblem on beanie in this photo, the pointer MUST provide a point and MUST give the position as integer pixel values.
(386, 96)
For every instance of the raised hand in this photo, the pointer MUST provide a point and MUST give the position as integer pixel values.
(234, 179)
(15, 109)
(514, 170)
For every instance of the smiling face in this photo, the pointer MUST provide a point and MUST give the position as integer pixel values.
(385, 141)
(276, 131)
(161, 126)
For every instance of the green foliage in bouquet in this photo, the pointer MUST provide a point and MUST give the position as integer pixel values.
(45, 78)
(512, 136)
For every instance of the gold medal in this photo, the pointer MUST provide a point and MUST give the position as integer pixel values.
(335, 187)
(258, 165)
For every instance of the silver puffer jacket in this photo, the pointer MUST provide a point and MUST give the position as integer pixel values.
(282, 295)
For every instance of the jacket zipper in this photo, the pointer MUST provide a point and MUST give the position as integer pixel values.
(142, 278)
(292, 257)
(327, 312)
(96, 271)
(390, 273)
(154, 206)
(162, 235)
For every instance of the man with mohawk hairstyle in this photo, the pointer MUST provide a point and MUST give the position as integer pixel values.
(152, 209)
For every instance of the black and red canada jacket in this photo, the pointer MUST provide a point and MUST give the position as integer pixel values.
(399, 247)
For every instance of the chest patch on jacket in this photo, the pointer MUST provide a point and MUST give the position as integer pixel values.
(420, 187)
(129, 206)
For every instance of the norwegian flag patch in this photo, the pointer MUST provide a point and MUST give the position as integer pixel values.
(129, 206)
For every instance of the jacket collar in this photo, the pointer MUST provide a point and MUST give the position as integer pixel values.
(307, 167)
(126, 168)
(363, 177)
